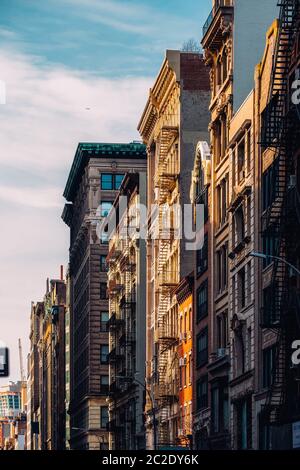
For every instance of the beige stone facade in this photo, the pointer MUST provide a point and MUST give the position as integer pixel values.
(174, 120)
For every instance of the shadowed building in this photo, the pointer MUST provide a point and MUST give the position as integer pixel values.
(94, 180)
(227, 34)
(127, 316)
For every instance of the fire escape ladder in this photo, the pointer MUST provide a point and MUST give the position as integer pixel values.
(275, 133)
(274, 123)
(163, 430)
(276, 395)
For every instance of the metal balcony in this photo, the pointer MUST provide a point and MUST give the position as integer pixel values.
(270, 318)
(114, 322)
(112, 426)
(114, 356)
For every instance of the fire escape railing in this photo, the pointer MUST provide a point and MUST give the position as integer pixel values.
(275, 134)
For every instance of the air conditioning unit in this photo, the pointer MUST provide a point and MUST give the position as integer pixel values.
(182, 361)
(221, 352)
(182, 336)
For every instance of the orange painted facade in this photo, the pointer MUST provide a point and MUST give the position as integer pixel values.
(184, 294)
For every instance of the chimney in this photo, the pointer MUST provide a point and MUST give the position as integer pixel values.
(61, 272)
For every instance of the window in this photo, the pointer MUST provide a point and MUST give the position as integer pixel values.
(190, 320)
(104, 237)
(203, 199)
(103, 291)
(118, 180)
(104, 317)
(202, 257)
(243, 423)
(190, 371)
(185, 323)
(104, 446)
(202, 393)
(248, 149)
(104, 384)
(249, 348)
(104, 353)
(224, 66)
(111, 181)
(217, 141)
(269, 356)
(103, 264)
(222, 269)
(241, 160)
(222, 330)
(248, 206)
(219, 408)
(271, 315)
(184, 367)
(269, 185)
(265, 435)
(202, 301)
(106, 181)
(222, 202)
(239, 226)
(105, 208)
(269, 248)
(202, 348)
(241, 289)
(103, 416)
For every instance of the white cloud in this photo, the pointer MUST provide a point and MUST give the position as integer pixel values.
(40, 197)
(40, 126)
(46, 113)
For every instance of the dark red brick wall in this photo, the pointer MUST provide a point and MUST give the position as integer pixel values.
(194, 74)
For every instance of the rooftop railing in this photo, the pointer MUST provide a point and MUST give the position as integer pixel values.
(218, 4)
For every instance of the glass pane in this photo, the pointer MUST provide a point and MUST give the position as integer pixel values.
(105, 208)
(104, 316)
(106, 181)
(118, 180)
(104, 379)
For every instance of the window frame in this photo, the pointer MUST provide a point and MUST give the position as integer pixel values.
(202, 355)
(202, 310)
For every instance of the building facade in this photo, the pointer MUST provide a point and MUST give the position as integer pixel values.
(201, 195)
(226, 35)
(46, 375)
(185, 298)
(127, 319)
(13, 416)
(174, 120)
(277, 400)
(93, 183)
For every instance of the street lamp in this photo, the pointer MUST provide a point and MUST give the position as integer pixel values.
(256, 254)
(152, 404)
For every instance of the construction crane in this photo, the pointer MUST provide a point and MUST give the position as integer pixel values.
(23, 377)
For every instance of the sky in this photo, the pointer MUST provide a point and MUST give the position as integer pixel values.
(74, 71)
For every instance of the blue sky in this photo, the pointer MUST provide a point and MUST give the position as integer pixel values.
(113, 38)
(75, 70)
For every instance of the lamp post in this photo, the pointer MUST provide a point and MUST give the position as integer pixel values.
(152, 404)
(257, 254)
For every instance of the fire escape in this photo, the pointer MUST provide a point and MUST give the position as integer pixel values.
(165, 182)
(122, 339)
(279, 221)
